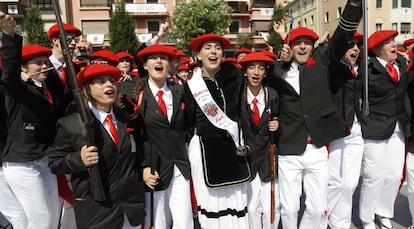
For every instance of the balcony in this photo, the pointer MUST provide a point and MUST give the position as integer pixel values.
(136, 9)
(263, 3)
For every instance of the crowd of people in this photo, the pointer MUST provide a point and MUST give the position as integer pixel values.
(211, 142)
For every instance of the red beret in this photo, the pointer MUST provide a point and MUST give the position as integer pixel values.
(54, 30)
(256, 56)
(30, 51)
(105, 55)
(80, 63)
(242, 50)
(269, 54)
(408, 42)
(301, 32)
(195, 44)
(183, 68)
(157, 48)
(122, 55)
(358, 36)
(185, 60)
(94, 70)
(378, 37)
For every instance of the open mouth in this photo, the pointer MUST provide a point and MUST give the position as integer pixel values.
(255, 79)
(109, 92)
(159, 68)
(212, 59)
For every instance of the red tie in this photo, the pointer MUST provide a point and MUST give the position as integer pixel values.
(353, 71)
(161, 102)
(393, 72)
(62, 76)
(49, 96)
(255, 112)
(112, 129)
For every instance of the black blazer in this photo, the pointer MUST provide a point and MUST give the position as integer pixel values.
(119, 168)
(31, 119)
(387, 101)
(163, 138)
(313, 113)
(259, 137)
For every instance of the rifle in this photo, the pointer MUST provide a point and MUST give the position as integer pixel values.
(95, 183)
(272, 161)
(365, 103)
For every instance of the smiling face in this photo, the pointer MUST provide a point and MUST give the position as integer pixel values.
(255, 72)
(157, 65)
(387, 50)
(302, 49)
(102, 91)
(34, 65)
(211, 56)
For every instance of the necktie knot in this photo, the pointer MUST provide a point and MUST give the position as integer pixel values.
(160, 93)
(392, 71)
(353, 71)
(112, 129)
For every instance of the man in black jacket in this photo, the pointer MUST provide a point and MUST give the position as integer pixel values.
(309, 118)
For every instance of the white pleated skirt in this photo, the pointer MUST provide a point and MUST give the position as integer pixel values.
(218, 208)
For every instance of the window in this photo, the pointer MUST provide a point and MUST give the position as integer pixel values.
(43, 4)
(379, 3)
(339, 12)
(152, 1)
(405, 28)
(234, 27)
(326, 17)
(394, 26)
(94, 3)
(311, 20)
(153, 26)
(394, 4)
(378, 27)
(95, 27)
(405, 3)
(305, 22)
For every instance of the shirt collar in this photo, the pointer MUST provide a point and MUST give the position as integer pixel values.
(101, 115)
(259, 97)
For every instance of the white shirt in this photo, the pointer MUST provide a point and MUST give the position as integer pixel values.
(292, 76)
(167, 96)
(260, 100)
(101, 116)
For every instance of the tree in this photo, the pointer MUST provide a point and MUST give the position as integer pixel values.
(34, 27)
(122, 30)
(274, 39)
(199, 17)
(245, 41)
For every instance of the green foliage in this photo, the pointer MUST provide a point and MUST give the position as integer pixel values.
(122, 31)
(274, 39)
(199, 17)
(34, 27)
(245, 41)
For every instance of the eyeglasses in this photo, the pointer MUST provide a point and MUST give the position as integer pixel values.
(353, 43)
(70, 38)
(99, 62)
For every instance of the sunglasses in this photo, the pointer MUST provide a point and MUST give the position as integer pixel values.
(353, 43)
(70, 38)
(99, 62)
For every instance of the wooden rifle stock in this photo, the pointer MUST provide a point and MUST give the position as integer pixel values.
(95, 182)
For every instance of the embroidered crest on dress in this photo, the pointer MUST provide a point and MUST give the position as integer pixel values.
(210, 109)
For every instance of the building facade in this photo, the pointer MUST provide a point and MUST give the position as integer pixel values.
(324, 15)
(92, 17)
